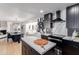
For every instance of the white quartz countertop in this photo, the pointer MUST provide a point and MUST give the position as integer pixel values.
(30, 41)
(68, 38)
(54, 35)
(46, 34)
(71, 39)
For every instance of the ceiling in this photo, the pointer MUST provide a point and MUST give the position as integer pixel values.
(28, 12)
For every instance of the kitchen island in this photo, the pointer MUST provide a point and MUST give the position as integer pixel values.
(30, 48)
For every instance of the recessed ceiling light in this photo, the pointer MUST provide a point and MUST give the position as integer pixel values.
(41, 11)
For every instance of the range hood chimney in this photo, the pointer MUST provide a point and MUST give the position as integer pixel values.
(58, 17)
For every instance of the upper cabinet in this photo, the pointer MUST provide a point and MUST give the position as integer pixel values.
(72, 16)
(48, 20)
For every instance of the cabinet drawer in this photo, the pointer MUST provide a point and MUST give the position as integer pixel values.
(67, 42)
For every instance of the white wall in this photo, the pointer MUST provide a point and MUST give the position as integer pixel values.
(13, 27)
(32, 29)
(60, 27)
(3, 25)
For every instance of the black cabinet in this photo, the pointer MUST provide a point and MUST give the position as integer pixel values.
(48, 20)
(77, 16)
(72, 16)
(70, 48)
(67, 42)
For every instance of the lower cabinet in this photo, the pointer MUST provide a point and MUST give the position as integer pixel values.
(70, 48)
(27, 50)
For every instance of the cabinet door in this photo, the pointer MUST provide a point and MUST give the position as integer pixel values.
(71, 17)
(26, 50)
(48, 20)
(70, 48)
(68, 17)
(77, 16)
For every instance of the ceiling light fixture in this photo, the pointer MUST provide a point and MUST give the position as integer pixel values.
(41, 11)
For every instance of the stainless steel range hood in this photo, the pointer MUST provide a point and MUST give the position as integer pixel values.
(58, 17)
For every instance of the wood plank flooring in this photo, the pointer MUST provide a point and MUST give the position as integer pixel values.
(10, 48)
